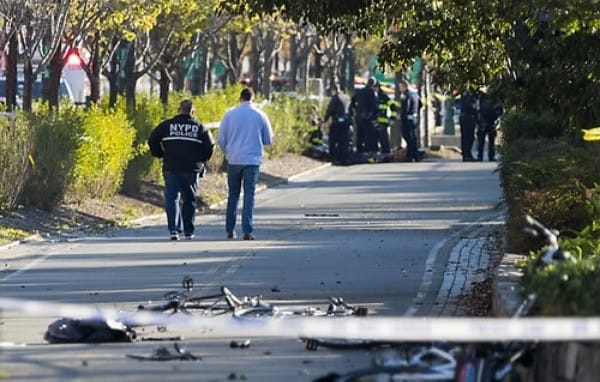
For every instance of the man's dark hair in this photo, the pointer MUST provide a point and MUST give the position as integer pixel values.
(186, 106)
(404, 82)
(247, 95)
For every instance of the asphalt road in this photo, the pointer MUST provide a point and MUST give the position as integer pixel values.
(379, 235)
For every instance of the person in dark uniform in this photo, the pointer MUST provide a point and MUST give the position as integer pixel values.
(467, 121)
(364, 109)
(337, 112)
(184, 145)
(409, 114)
(386, 112)
(489, 112)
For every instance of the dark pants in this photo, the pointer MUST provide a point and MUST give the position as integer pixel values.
(383, 138)
(339, 142)
(409, 133)
(180, 200)
(467, 135)
(366, 135)
(488, 131)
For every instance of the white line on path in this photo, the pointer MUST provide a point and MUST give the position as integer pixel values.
(28, 266)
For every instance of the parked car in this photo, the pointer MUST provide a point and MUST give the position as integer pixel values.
(64, 90)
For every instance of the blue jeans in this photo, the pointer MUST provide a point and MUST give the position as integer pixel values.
(180, 200)
(236, 176)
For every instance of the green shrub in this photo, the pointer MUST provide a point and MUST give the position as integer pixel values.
(104, 148)
(148, 113)
(54, 141)
(550, 180)
(212, 106)
(569, 288)
(291, 122)
(518, 125)
(15, 147)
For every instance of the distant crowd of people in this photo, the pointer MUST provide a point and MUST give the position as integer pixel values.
(478, 115)
(359, 126)
(371, 112)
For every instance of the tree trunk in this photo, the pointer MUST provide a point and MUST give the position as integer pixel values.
(293, 78)
(233, 58)
(254, 64)
(179, 77)
(164, 83)
(130, 80)
(202, 69)
(351, 68)
(112, 75)
(27, 83)
(53, 79)
(94, 78)
(317, 64)
(11, 73)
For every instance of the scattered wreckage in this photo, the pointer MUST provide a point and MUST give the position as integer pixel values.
(108, 328)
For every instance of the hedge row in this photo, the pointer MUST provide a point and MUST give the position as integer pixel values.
(48, 157)
(556, 179)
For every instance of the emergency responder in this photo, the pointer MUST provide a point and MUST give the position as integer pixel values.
(467, 120)
(386, 113)
(337, 113)
(184, 144)
(489, 112)
(409, 114)
(364, 109)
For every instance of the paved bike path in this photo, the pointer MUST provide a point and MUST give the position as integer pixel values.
(380, 235)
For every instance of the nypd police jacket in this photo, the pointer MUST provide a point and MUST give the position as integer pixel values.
(183, 143)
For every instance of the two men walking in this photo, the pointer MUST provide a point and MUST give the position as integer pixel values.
(184, 145)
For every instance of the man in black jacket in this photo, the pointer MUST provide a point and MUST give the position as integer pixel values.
(184, 145)
(364, 109)
(409, 115)
(468, 121)
(489, 112)
(339, 129)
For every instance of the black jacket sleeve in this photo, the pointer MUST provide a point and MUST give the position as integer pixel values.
(154, 142)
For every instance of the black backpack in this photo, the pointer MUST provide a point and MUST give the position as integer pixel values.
(70, 330)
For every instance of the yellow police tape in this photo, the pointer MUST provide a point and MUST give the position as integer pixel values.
(592, 134)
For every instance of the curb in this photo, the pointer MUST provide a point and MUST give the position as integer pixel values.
(34, 237)
(506, 286)
(307, 172)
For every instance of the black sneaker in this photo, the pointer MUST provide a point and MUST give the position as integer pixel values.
(189, 237)
(249, 236)
(174, 236)
(231, 235)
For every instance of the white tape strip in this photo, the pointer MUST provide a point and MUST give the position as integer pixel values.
(366, 328)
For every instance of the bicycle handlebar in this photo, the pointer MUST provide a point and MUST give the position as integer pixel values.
(537, 228)
(553, 252)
